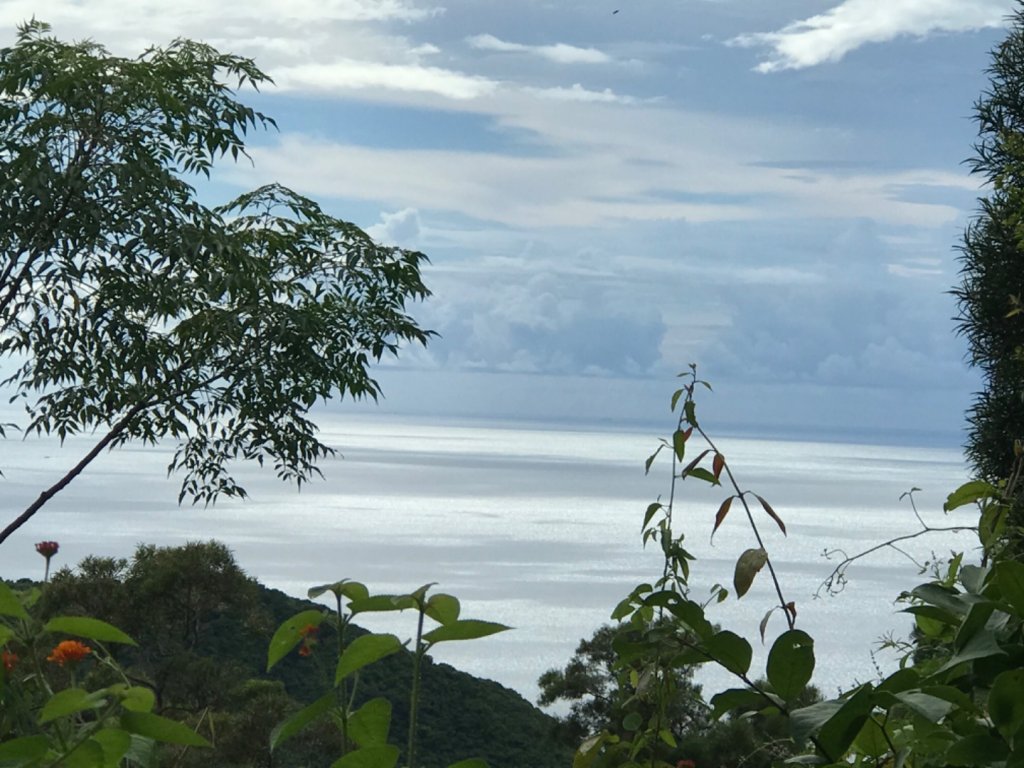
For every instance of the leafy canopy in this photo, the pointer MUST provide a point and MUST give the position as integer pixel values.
(130, 308)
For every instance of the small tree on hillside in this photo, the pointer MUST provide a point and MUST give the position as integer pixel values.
(131, 310)
(993, 265)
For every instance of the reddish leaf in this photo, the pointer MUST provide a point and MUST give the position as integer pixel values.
(791, 608)
(772, 515)
(718, 465)
(687, 432)
(689, 467)
(764, 622)
(722, 512)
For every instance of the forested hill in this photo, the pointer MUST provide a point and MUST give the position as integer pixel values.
(203, 628)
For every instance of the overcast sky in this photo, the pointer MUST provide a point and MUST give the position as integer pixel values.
(610, 189)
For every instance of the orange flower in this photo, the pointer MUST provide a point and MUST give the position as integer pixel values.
(686, 764)
(305, 650)
(69, 651)
(309, 639)
(9, 659)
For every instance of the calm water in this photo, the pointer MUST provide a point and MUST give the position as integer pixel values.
(535, 528)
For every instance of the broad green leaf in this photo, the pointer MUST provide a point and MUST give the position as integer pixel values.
(289, 634)
(978, 749)
(736, 699)
(378, 756)
(1010, 579)
(1006, 703)
(23, 750)
(872, 739)
(381, 604)
(839, 731)
(931, 708)
(353, 590)
(791, 663)
(973, 623)
(973, 577)
(702, 474)
(747, 567)
(137, 698)
(6, 633)
(443, 608)
(301, 719)
(731, 651)
(970, 492)
(675, 398)
(632, 722)
(946, 598)
(369, 725)
(91, 629)
(420, 594)
(115, 744)
(161, 729)
(88, 754)
(463, 629)
(10, 605)
(652, 510)
(69, 701)
(807, 721)
(364, 650)
(981, 646)
(679, 444)
(900, 680)
(690, 412)
(692, 614)
(590, 749)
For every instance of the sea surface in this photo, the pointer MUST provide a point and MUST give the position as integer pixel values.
(538, 528)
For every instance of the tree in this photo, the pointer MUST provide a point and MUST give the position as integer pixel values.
(599, 700)
(992, 258)
(130, 309)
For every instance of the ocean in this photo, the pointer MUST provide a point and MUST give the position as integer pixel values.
(535, 527)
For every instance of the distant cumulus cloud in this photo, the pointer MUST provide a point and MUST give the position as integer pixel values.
(561, 53)
(348, 74)
(577, 92)
(829, 36)
(401, 228)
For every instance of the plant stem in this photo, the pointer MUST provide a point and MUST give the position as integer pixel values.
(414, 694)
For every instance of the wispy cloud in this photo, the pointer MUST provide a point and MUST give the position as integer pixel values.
(349, 74)
(829, 36)
(561, 53)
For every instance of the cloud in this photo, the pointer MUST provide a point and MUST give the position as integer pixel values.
(578, 93)
(829, 36)
(401, 228)
(560, 53)
(350, 74)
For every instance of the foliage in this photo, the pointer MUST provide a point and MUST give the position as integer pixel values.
(130, 309)
(962, 703)
(214, 678)
(992, 251)
(599, 699)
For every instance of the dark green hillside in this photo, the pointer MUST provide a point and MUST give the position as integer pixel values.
(203, 628)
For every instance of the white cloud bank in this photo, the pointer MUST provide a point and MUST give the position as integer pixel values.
(560, 53)
(829, 36)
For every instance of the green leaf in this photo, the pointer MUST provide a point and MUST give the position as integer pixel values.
(1006, 703)
(747, 567)
(115, 744)
(364, 650)
(839, 731)
(791, 663)
(872, 739)
(978, 749)
(590, 749)
(369, 725)
(464, 629)
(69, 701)
(381, 604)
(702, 474)
(632, 722)
(382, 756)
(23, 750)
(731, 651)
(736, 700)
(161, 729)
(6, 633)
(10, 605)
(289, 634)
(652, 510)
(981, 646)
(675, 398)
(301, 719)
(91, 629)
(807, 721)
(1009, 576)
(690, 412)
(931, 708)
(88, 754)
(443, 608)
(945, 598)
(138, 699)
(353, 590)
(970, 492)
(679, 444)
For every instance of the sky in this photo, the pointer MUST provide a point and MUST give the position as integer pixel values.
(609, 190)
